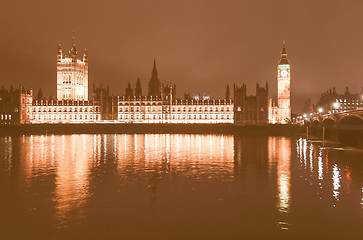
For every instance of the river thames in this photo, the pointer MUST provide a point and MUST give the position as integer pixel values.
(178, 186)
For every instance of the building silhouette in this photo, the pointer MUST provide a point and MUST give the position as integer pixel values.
(138, 89)
(128, 91)
(228, 94)
(251, 110)
(154, 89)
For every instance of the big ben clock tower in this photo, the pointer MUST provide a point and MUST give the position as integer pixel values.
(283, 88)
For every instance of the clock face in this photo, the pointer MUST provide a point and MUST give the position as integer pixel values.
(283, 73)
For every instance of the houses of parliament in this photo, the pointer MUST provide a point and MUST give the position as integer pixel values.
(73, 104)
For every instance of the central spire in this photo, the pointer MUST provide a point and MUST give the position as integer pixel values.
(154, 83)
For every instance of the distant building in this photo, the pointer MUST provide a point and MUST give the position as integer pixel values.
(308, 106)
(15, 106)
(332, 102)
(206, 96)
(196, 97)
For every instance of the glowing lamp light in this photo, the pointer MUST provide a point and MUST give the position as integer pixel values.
(336, 105)
(320, 110)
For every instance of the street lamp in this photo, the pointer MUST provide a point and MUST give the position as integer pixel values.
(336, 105)
(320, 110)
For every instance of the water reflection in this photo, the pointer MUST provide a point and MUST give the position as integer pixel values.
(280, 157)
(6, 155)
(336, 181)
(268, 184)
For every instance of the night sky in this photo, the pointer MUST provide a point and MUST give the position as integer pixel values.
(198, 45)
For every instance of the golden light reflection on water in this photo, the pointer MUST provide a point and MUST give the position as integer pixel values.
(335, 177)
(77, 162)
(6, 154)
(70, 158)
(72, 172)
(189, 155)
(67, 159)
(279, 149)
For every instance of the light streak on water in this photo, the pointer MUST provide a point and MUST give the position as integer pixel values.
(336, 181)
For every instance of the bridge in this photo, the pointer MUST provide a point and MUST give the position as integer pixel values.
(347, 120)
(346, 127)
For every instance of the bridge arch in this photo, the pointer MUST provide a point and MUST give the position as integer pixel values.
(350, 129)
(328, 122)
(307, 123)
(350, 120)
(315, 123)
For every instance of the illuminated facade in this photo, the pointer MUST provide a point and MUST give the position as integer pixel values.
(72, 105)
(332, 102)
(148, 110)
(65, 112)
(159, 106)
(281, 113)
(72, 76)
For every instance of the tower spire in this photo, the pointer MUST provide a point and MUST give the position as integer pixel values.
(283, 59)
(154, 83)
(155, 71)
(73, 49)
